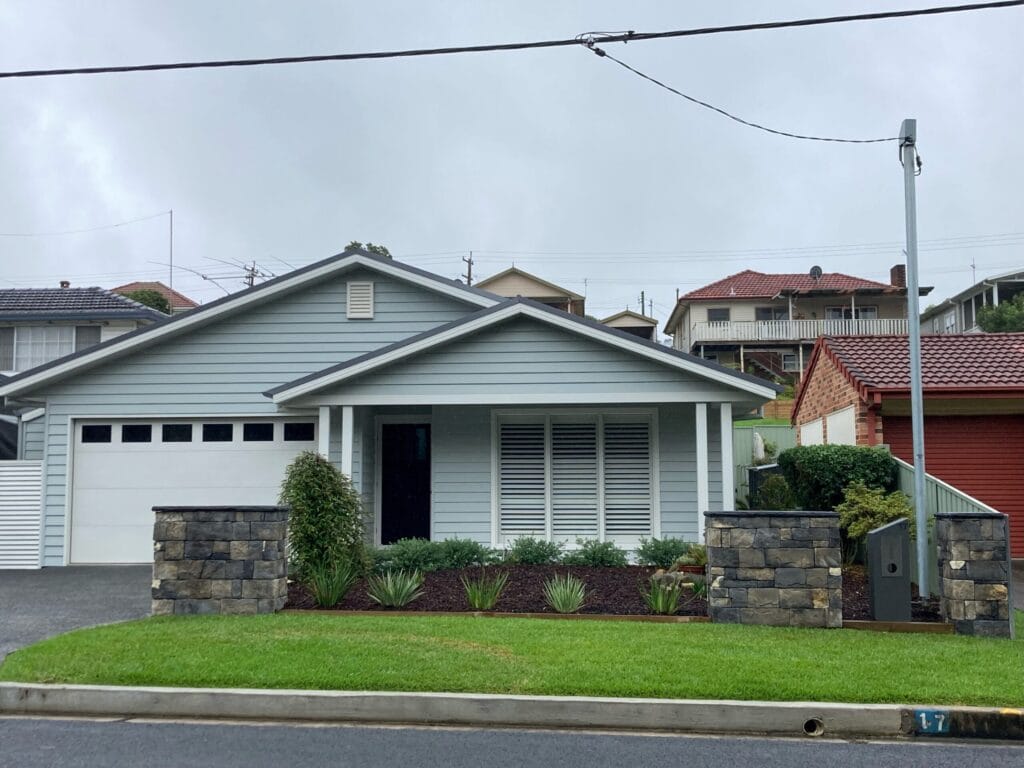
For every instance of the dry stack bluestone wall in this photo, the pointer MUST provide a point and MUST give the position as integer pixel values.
(219, 560)
(778, 568)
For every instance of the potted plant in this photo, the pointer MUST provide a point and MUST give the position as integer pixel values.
(694, 560)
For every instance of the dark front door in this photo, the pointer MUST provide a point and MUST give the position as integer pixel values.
(405, 482)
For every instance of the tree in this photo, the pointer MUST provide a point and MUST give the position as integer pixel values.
(1008, 317)
(380, 250)
(152, 299)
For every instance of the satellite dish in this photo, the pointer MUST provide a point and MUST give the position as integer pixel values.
(815, 272)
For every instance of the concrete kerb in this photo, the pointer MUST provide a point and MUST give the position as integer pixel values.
(885, 721)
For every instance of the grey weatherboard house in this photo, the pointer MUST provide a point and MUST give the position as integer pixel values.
(456, 412)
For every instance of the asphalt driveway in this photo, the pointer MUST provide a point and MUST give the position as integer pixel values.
(38, 604)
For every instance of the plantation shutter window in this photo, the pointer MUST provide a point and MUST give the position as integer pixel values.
(563, 477)
(522, 506)
(627, 479)
(360, 301)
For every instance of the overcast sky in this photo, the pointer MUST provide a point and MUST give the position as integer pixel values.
(555, 159)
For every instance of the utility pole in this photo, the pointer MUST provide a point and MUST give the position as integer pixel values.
(170, 244)
(650, 308)
(469, 268)
(911, 168)
(643, 301)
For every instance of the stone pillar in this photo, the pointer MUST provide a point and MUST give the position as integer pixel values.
(778, 568)
(219, 560)
(974, 571)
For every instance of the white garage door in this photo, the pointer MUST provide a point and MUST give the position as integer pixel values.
(122, 469)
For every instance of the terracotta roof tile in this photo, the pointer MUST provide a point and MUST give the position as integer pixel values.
(983, 360)
(749, 284)
(175, 299)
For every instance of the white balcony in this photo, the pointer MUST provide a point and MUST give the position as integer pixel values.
(791, 330)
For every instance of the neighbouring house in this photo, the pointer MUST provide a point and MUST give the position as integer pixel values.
(857, 392)
(959, 314)
(515, 282)
(633, 322)
(178, 301)
(455, 411)
(768, 323)
(38, 325)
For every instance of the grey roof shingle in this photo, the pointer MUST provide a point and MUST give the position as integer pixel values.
(49, 303)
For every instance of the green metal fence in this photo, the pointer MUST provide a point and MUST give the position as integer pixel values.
(743, 450)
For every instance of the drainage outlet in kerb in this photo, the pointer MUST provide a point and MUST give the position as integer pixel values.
(814, 727)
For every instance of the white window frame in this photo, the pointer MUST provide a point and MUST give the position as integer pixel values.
(856, 313)
(359, 313)
(790, 362)
(534, 415)
(20, 330)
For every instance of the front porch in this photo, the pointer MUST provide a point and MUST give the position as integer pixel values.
(493, 473)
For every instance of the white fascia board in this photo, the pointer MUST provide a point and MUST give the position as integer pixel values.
(573, 326)
(32, 415)
(534, 399)
(194, 318)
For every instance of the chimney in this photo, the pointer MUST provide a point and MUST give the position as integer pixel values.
(898, 276)
(65, 283)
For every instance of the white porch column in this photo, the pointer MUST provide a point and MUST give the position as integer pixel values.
(728, 489)
(324, 432)
(702, 466)
(346, 440)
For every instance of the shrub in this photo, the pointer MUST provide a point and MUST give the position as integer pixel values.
(330, 582)
(395, 589)
(661, 553)
(663, 595)
(482, 593)
(564, 594)
(865, 509)
(530, 551)
(696, 554)
(817, 474)
(425, 556)
(774, 493)
(462, 553)
(325, 524)
(601, 554)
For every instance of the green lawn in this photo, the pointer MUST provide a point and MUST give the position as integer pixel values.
(762, 423)
(532, 657)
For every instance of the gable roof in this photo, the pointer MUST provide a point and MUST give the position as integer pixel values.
(177, 300)
(519, 307)
(171, 326)
(26, 304)
(642, 319)
(559, 290)
(974, 362)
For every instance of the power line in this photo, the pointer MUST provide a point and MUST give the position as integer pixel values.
(82, 231)
(624, 37)
(600, 52)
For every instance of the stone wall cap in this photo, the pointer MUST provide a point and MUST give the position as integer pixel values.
(969, 515)
(769, 513)
(224, 508)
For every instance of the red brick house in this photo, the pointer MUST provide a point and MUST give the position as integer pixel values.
(857, 392)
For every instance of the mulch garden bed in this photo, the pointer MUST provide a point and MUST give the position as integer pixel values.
(609, 591)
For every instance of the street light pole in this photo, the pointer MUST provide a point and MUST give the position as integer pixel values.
(908, 156)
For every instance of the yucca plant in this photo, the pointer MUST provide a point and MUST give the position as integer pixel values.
(395, 589)
(663, 595)
(564, 594)
(330, 582)
(483, 593)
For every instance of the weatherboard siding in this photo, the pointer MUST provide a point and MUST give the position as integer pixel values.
(32, 436)
(527, 357)
(223, 368)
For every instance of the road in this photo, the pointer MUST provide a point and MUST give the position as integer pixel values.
(27, 743)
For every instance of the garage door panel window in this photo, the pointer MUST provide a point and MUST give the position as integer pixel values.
(576, 476)
(96, 433)
(136, 433)
(301, 431)
(176, 433)
(218, 433)
(258, 432)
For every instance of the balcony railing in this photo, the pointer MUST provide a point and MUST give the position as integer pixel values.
(792, 330)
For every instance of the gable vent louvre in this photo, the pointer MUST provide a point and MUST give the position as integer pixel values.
(360, 301)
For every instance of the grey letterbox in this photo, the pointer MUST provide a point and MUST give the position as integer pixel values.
(889, 571)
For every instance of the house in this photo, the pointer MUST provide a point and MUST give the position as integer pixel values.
(517, 282)
(178, 301)
(959, 314)
(633, 322)
(768, 323)
(857, 392)
(455, 411)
